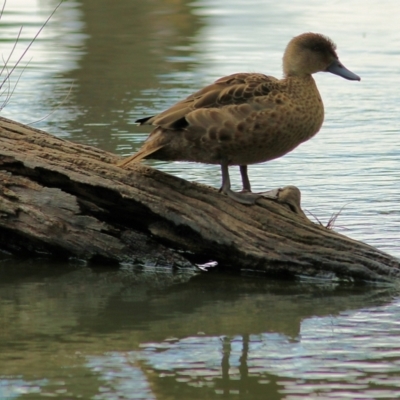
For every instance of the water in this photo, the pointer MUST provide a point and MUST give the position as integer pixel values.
(68, 331)
(72, 332)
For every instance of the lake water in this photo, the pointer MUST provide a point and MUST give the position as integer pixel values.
(69, 331)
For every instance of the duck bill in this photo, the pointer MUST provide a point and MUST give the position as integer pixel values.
(338, 68)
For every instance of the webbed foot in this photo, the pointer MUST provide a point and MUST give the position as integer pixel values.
(244, 197)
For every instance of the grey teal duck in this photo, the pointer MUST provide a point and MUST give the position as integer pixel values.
(246, 118)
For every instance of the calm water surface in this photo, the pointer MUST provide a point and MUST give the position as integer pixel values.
(68, 331)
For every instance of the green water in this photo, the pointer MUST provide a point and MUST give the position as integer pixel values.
(73, 332)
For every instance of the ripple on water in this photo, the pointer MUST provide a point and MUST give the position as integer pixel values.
(349, 356)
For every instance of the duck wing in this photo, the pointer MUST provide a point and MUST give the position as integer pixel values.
(229, 99)
(234, 89)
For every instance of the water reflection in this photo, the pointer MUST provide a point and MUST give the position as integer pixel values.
(155, 334)
(339, 356)
(143, 42)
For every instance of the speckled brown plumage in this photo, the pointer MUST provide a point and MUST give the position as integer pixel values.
(247, 118)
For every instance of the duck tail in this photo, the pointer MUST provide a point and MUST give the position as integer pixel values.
(137, 157)
(152, 144)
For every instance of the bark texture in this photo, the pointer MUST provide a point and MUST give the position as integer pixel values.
(70, 200)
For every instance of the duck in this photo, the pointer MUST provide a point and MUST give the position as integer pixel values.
(246, 118)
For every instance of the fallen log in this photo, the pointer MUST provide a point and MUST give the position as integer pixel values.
(70, 200)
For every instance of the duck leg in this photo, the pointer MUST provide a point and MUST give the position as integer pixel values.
(245, 197)
(270, 194)
(245, 179)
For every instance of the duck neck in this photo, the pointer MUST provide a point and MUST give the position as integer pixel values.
(305, 77)
(300, 84)
(303, 90)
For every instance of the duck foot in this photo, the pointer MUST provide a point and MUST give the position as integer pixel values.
(270, 194)
(249, 198)
(245, 196)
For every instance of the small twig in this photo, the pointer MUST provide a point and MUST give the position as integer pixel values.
(334, 217)
(332, 220)
(5, 66)
(7, 77)
(2, 10)
(5, 90)
(55, 109)
(11, 92)
(315, 217)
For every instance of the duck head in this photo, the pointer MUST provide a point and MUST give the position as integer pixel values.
(309, 53)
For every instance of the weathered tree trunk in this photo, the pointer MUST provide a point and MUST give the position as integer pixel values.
(70, 200)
